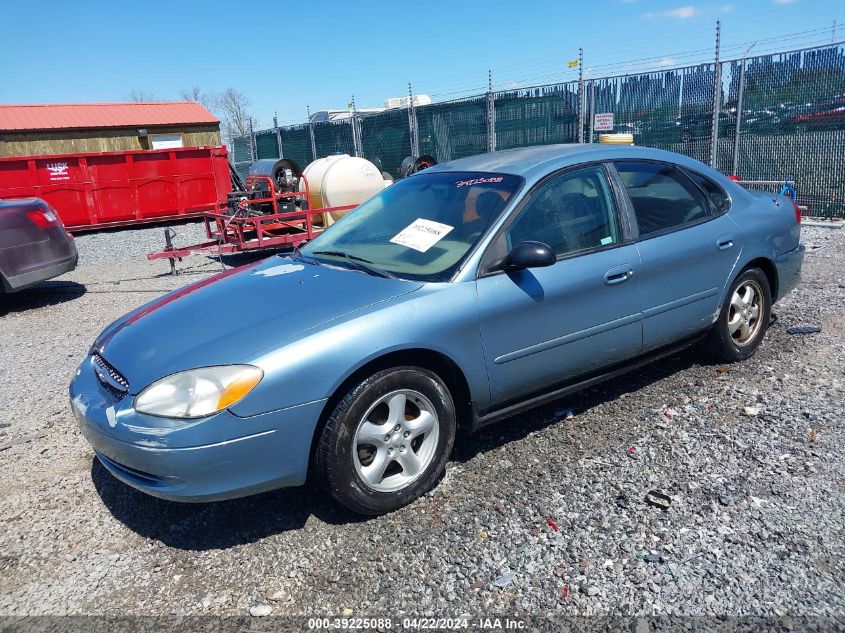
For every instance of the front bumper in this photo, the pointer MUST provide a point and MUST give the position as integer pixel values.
(788, 267)
(219, 457)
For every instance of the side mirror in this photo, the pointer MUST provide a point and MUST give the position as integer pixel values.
(528, 254)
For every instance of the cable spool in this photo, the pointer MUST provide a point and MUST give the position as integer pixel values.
(284, 172)
(616, 139)
(412, 165)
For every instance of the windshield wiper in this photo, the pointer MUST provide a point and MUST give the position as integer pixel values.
(297, 254)
(358, 262)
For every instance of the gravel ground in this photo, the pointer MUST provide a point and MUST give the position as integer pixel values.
(751, 456)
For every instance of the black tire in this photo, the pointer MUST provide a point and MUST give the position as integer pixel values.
(720, 344)
(336, 458)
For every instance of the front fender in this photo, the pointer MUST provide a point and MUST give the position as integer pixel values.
(442, 318)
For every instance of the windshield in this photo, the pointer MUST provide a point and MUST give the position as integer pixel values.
(420, 227)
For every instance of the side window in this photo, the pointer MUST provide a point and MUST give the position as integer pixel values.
(662, 196)
(570, 213)
(717, 195)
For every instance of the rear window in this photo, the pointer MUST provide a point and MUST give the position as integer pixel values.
(717, 195)
(662, 196)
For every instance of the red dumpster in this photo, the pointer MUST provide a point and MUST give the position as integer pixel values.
(99, 190)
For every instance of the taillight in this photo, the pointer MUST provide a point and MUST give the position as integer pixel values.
(43, 219)
(797, 211)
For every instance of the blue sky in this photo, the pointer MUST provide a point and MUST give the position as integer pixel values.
(285, 56)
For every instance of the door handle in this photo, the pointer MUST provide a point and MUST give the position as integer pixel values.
(618, 274)
(725, 242)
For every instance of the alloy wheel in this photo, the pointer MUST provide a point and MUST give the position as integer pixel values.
(745, 313)
(396, 440)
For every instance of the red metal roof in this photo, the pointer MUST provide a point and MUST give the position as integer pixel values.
(101, 115)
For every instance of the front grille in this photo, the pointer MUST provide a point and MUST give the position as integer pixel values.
(109, 376)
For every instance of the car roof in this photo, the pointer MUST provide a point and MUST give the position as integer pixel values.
(538, 160)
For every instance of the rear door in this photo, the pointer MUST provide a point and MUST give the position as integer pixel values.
(688, 248)
(542, 326)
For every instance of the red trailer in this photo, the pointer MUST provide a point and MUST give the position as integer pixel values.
(100, 190)
(255, 219)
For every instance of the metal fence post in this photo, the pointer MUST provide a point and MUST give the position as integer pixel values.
(353, 122)
(412, 123)
(491, 114)
(580, 95)
(717, 98)
(592, 107)
(311, 133)
(279, 141)
(738, 116)
(253, 143)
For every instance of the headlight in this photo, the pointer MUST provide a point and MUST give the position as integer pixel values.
(198, 392)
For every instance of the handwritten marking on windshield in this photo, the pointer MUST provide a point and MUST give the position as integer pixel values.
(478, 181)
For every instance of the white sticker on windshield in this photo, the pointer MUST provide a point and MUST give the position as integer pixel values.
(421, 234)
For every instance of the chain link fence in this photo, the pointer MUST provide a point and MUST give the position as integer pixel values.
(773, 117)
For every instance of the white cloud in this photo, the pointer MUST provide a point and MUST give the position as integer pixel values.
(784, 1)
(681, 13)
(726, 8)
(666, 61)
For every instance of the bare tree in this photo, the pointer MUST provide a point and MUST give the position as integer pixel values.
(234, 111)
(207, 100)
(140, 96)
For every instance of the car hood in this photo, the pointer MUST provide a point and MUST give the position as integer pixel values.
(237, 316)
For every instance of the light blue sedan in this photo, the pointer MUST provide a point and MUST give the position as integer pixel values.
(457, 297)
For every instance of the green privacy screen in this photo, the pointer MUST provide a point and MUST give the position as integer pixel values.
(453, 129)
(333, 137)
(537, 116)
(777, 116)
(386, 140)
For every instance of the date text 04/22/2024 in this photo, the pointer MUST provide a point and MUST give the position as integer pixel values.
(459, 623)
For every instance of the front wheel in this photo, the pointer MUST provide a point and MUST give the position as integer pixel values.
(743, 320)
(387, 441)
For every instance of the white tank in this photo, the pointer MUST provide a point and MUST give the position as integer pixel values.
(341, 180)
(314, 173)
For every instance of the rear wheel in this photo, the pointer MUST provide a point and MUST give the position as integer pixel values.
(743, 320)
(387, 441)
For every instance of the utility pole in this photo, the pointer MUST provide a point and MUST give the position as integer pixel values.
(717, 96)
(412, 123)
(491, 114)
(311, 133)
(833, 33)
(580, 95)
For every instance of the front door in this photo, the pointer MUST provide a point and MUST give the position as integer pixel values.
(542, 326)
